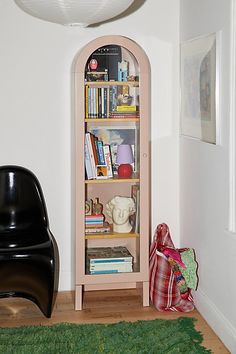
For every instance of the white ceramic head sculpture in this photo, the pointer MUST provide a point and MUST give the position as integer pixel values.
(120, 209)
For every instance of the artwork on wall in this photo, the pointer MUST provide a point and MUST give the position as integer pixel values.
(199, 88)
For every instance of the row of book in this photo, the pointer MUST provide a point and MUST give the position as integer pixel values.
(109, 102)
(107, 260)
(98, 160)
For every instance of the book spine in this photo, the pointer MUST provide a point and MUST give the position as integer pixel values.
(107, 154)
(88, 166)
(111, 260)
(119, 268)
(113, 98)
(109, 271)
(91, 156)
(89, 102)
(86, 101)
(102, 102)
(112, 265)
(105, 102)
(93, 139)
(94, 216)
(100, 152)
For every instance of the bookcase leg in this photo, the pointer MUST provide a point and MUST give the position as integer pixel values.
(145, 293)
(78, 297)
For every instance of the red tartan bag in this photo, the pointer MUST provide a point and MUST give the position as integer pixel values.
(164, 292)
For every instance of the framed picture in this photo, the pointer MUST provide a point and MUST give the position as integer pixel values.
(199, 88)
(114, 136)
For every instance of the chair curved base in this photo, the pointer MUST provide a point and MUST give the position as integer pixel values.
(29, 277)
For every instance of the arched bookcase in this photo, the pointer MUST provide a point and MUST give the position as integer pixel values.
(112, 108)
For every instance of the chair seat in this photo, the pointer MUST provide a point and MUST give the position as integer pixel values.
(23, 238)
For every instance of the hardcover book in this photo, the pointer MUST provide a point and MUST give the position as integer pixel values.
(108, 254)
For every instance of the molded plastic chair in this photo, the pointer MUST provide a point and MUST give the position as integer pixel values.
(29, 259)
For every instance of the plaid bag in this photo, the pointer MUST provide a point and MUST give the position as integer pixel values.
(164, 291)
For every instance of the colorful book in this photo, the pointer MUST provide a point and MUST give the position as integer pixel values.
(107, 155)
(104, 228)
(87, 161)
(108, 254)
(100, 152)
(125, 108)
(91, 154)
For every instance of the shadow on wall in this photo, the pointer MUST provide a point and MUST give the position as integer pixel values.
(136, 5)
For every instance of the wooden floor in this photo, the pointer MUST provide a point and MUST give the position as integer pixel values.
(99, 307)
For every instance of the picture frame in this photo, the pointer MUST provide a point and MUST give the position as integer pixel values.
(199, 77)
(101, 172)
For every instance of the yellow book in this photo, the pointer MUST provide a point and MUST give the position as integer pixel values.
(86, 101)
(126, 108)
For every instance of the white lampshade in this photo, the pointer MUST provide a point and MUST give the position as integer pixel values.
(74, 12)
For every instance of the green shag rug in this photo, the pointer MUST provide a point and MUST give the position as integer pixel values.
(149, 337)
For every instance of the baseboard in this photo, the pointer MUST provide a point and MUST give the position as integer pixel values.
(218, 322)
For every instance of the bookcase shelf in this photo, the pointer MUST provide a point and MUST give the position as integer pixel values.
(110, 120)
(111, 112)
(115, 179)
(110, 235)
(112, 83)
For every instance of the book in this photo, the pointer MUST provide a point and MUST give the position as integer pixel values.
(97, 75)
(104, 228)
(91, 154)
(100, 152)
(93, 139)
(126, 108)
(114, 263)
(112, 267)
(108, 254)
(109, 271)
(93, 218)
(107, 155)
(124, 115)
(87, 161)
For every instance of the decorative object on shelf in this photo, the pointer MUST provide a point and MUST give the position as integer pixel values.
(119, 209)
(93, 64)
(97, 207)
(88, 207)
(124, 159)
(74, 12)
(123, 70)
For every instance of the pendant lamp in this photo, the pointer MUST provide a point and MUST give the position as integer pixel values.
(74, 12)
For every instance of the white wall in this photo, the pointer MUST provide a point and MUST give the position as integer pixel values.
(36, 110)
(204, 188)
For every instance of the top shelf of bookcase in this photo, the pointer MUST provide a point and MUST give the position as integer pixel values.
(106, 120)
(112, 83)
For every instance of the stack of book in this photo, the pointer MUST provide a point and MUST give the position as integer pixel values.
(94, 220)
(125, 111)
(98, 229)
(106, 260)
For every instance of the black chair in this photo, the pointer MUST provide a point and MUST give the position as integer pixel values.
(29, 259)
